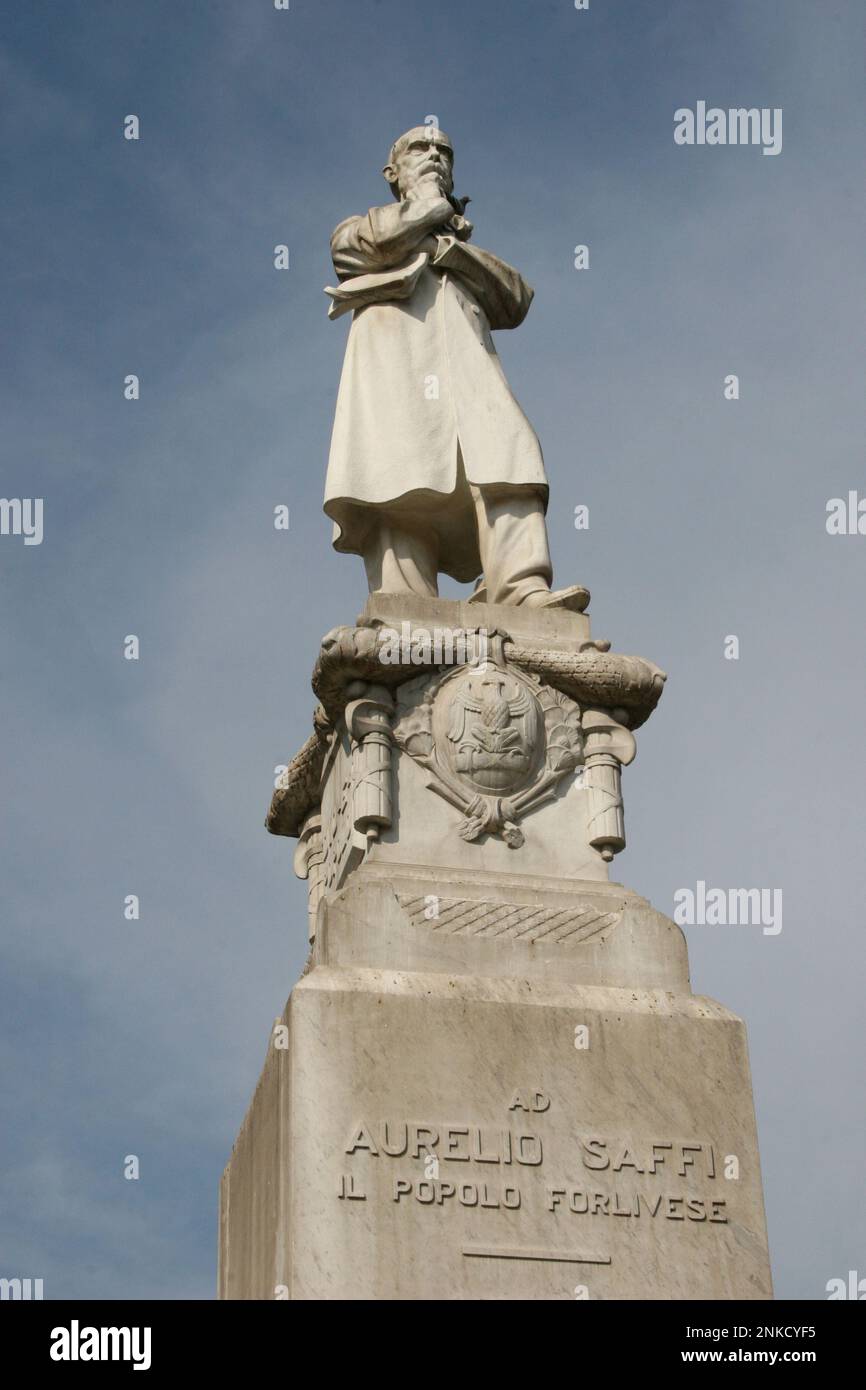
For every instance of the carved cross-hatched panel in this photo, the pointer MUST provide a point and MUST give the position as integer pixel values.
(486, 919)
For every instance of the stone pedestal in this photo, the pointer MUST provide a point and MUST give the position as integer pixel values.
(493, 1080)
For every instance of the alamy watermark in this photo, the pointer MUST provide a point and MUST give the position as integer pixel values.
(21, 1289)
(729, 907)
(22, 516)
(77, 1343)
(854, 1288)
(438, 646)
(738, 125)
(846, 516)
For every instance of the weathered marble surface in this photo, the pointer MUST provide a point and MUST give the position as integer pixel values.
(456, 825)
(503, 926)
(478, 1078)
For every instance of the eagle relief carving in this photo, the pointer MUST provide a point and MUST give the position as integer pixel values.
(493, 728)
(494, 740)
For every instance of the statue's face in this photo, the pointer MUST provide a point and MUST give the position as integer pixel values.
(423, 164)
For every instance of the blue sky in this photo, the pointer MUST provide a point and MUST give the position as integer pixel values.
(706, 518)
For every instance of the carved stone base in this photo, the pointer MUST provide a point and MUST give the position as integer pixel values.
(500, 926)
(492, 1081)
(437, 1136)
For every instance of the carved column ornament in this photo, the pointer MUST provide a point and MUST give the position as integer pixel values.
(608, 747)
(368, 720)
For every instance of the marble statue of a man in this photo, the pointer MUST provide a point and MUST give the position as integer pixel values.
(433, 467)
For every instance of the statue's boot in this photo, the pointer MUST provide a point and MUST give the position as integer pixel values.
(574, 600)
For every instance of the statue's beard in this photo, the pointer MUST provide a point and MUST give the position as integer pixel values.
(446, 188)
(460, 228)
(427, 172)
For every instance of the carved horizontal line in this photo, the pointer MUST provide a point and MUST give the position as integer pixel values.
(513, 1252)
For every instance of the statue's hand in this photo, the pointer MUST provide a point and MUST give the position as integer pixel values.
(459, 227)
(427, 187)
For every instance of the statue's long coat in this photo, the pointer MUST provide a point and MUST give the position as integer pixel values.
(421, 378)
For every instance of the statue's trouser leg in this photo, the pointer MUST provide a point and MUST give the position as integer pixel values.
(400, 560)
(512, 541)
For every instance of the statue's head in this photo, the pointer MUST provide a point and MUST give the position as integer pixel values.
(423, 154)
